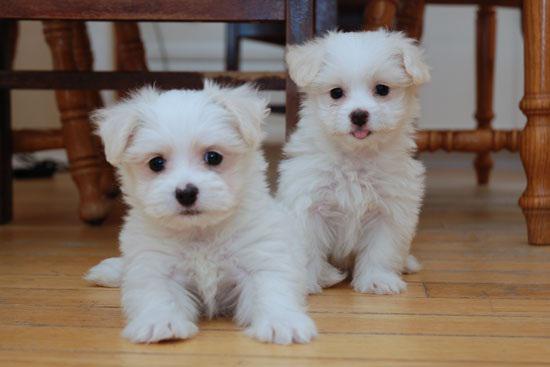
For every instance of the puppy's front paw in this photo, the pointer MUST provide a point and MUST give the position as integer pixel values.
(379, 282)
(286, 328)
(154, 329)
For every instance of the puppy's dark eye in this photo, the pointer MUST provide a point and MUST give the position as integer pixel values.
(382, 90)
(213, 158)
(336, 93)
(157, 164)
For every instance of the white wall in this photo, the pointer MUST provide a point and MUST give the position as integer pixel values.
(449, 36)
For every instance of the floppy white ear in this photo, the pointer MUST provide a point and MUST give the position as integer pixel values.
(304, 61)
(414, 61)
(116, 124)
(246, 105)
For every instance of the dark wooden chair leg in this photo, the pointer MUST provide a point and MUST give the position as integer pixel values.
(232, 47)
(410, 18)
(84, 59)
(485, 64)
(379, 14)
(535, 139)
(84, 158)
(300, 26)
(130, 54)
(8, 37)
(129, 50)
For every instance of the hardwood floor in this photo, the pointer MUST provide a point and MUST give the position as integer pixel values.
(483, 297)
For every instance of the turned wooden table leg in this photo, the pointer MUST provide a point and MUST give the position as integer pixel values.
(410, 18)
(379, 14)
(130, 54)
(8, 36)
(84, 59)
(84, 159)
(535, 139)
(485, 64)
(129, 51)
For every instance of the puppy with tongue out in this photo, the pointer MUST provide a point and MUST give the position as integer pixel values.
(350, 177)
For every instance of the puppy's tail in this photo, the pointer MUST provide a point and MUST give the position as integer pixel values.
(107, 273)
(412, 265)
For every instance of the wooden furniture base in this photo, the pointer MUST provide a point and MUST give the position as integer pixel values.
(84, 59)
(472, 141)
(85, 161)
(535, 139)
(485, 64)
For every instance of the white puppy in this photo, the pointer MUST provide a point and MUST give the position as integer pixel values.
(349, 176)
(202, 235)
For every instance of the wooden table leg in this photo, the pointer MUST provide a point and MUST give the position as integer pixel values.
(130, 54)
(535, 139)
(379, 14)
(8, 31)
(129, 50)
(84, 59)
(485, 65)
(84, 158)
(410, 18)
(300, 26)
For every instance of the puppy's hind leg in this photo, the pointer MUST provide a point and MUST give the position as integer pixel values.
(318, 240)
(107, 273)
(320, 273)
(330, 275)
(380, 261)
(412, 265)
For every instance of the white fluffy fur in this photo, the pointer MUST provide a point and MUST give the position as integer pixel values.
(240, 255)
(356, 200)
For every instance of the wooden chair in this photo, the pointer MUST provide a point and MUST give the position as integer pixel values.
(72, 78)
(534, 141)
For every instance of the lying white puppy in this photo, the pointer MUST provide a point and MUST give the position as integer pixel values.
(203, 235)
(350, 177)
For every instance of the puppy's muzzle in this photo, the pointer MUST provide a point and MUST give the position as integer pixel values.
(188, 196)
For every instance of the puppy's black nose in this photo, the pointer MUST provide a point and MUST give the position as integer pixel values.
(187, 196)
(359, 117)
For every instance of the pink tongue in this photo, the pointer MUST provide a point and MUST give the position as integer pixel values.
(360, 134)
